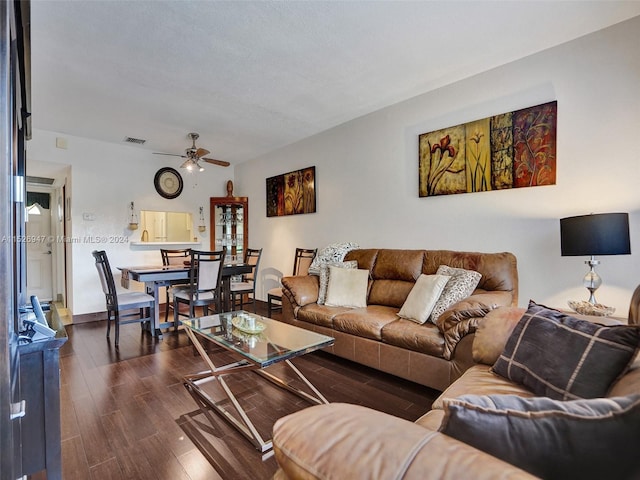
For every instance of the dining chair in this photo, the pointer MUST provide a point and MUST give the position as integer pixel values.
(248, 284)
(121, 302)
(205, 284)
(173, 257)
(301, 263)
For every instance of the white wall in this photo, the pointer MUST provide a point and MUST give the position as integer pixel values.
(367, 173)
(367, 182)
(104, 179)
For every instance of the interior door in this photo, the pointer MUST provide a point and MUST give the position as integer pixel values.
(39, 253)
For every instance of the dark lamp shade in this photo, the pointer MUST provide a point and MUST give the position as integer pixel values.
(601, 234)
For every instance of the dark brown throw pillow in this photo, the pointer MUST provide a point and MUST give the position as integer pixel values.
(589, 439)
(558, 356)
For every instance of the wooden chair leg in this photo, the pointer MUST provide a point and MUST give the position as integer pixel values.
(176, 311)
(117, 325)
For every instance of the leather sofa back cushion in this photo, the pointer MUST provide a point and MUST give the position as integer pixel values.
(394, 275)
(499, 270)
(586, 439)
(394, 271)
(493, 332)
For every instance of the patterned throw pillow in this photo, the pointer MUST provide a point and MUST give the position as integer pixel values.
(331, 254)
(586, 439)
(558, 356)
(460, 286)
(324, 276)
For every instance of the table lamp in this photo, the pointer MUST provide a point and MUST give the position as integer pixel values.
(591, 235)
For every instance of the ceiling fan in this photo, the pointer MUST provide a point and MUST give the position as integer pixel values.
(193, 156)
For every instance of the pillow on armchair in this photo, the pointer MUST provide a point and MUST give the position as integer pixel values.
(586, 439)
(559, 356)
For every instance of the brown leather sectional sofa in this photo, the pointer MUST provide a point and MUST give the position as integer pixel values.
(350, 441)
(432, 355)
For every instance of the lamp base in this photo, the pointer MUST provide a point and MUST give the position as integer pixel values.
(592, 280)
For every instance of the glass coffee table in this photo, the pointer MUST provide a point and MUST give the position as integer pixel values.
(257, 342)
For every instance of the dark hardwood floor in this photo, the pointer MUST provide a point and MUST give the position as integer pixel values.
(126, 414)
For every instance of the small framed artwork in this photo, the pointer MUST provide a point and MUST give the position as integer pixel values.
(292, 193)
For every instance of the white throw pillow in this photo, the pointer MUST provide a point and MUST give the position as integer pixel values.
(347, 287)
(324, 277)
(423, 297)
(462, 284)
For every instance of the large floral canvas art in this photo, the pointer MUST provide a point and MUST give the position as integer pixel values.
(510, 150)
(292, 193)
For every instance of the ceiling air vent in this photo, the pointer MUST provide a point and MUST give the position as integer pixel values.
(137, 141)
(40, 180)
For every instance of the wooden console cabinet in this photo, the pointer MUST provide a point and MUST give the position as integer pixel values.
(40, 390)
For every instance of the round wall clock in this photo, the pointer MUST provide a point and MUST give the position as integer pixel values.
(168, 182)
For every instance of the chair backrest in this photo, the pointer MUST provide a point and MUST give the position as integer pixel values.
(174, 257)
(252, 257)
(302, 262)
(106, 278)
(206, 270)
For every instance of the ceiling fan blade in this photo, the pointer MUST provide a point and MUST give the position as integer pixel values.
(170, 154)
(201, 152)
(222, 163)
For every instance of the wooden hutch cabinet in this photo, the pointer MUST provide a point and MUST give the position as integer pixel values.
(229, 219)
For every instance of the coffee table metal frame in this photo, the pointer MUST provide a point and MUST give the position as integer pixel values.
(248, 362)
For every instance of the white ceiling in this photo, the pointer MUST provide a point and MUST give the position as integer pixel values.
(253, 76)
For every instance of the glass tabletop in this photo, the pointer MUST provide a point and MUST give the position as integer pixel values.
(276, 342)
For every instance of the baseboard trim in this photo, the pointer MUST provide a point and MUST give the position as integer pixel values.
(98, 316)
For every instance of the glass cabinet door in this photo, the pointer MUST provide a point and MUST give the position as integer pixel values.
(229, 225)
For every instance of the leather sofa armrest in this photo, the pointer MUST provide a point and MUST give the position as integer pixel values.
(339, 441)
(462, 318)
(301, 290)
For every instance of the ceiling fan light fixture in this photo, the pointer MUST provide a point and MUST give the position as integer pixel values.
(193, 156)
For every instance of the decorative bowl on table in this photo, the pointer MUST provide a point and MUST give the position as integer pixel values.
(586, 308)
(244, 324)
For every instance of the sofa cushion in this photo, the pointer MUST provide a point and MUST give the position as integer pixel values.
(479, 380)
(324, 277)
(347, 287)
(586, 439)
(341, 441)
(425, 338)
(320, 314)
(423, 297)
(365, 322)
(393, 276)
(558, 356)
(431, 420)
(461, 285)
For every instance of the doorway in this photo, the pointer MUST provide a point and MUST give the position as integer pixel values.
(39, 241)
(44, 238)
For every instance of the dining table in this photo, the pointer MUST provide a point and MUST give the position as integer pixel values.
(157, 276)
